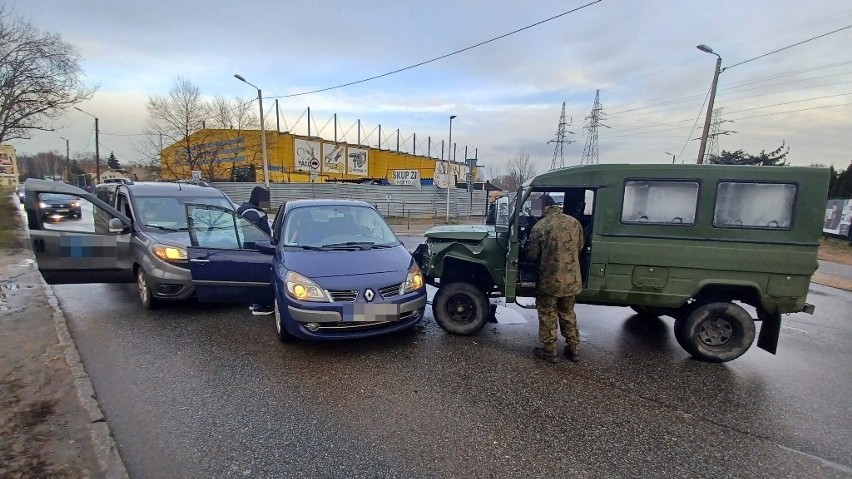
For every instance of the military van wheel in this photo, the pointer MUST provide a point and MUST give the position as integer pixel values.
(146, 297)
(461, 308)
(283, 335)
(716, 332)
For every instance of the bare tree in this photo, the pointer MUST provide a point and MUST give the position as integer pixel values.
(40, 77)
(173, 119)
(519, 170)
(235, 117)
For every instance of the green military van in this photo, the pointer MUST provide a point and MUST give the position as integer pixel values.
(695, 242)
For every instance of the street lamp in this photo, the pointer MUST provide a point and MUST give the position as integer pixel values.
(67, 159)
(262, 130)
(703, 147)
(673, 157)
(447, 170)
(97, 150)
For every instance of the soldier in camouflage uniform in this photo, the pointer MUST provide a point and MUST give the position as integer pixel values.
(555, 244)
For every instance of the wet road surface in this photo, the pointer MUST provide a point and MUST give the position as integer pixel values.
(195, 390)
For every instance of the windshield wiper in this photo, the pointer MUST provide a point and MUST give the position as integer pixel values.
(351, 244)
(166, 228)
(306, 246)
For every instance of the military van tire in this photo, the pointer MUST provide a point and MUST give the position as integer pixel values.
(461, 308)
(146, 296)
(716, 332)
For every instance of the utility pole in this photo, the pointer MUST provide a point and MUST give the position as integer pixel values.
(560, 140)
(706, 132)
(67, 160)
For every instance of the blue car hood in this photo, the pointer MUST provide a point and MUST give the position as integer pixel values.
(323, 264)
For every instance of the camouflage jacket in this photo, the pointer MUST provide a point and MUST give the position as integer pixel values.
(555, 244)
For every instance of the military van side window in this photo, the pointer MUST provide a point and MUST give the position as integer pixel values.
(754, 205)
(660, 202)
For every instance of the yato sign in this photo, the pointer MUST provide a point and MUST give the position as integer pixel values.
(405, 177)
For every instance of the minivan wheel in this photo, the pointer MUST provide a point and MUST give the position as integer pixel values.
(145, 296)
(460, 308)
(716, 332)
(283, 335)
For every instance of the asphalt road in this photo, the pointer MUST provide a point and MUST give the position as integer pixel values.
(196, 390)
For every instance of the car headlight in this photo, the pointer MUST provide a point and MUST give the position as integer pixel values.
(74, 204)
(413, 281)
(304, 289)
(172, 254)
(42, 204)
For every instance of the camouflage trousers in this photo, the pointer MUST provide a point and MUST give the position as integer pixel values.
(553, 310)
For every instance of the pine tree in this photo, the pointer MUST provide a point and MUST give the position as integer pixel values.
(777, 157)
(112, 162)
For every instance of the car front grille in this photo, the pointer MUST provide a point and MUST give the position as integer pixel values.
(343, 295)
(390, 291)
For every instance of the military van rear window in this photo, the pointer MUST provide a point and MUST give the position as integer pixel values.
(754, 205)
(660, 202)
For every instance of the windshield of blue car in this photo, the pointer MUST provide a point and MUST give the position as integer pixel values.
(161, 213)
(337, 227)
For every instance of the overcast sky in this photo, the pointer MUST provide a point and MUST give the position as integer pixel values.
(507, 94)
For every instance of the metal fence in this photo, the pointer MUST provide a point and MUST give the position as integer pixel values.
(390, 200)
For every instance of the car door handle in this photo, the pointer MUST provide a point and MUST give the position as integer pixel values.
(203, 261)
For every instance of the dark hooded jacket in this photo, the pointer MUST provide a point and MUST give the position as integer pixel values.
(251, 210)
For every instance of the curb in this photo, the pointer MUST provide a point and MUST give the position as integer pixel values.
(106, 450)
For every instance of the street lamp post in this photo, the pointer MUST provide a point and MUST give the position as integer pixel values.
(672, 155)
(706, 132)
(67, 159)
(97, 150)
(447, 169)
(262, 130)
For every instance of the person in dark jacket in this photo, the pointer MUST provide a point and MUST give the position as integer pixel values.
(252, 211)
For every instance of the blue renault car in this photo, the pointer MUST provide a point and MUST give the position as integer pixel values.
(333, 268)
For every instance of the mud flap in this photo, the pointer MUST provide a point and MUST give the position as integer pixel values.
(770, 330)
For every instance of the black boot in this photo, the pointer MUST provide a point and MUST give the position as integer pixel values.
(549, 356)
(571, 353)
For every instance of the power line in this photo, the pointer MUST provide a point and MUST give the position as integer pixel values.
(788, 47)
(442, 56)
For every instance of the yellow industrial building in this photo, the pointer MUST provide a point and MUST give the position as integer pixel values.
(221, 154)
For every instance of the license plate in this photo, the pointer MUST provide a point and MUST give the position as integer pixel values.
(369, 313)
(62, 211)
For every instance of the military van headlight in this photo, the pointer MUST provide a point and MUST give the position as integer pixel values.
(414, 280)
(304, 289)
(171, 254)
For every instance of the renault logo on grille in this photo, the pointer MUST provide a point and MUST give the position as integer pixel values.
(369, 294)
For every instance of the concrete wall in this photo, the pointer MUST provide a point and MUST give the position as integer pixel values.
(390, 200)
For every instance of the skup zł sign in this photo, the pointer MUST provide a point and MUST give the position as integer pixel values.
(405, 177)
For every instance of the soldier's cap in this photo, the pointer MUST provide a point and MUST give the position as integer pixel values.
(548, 200)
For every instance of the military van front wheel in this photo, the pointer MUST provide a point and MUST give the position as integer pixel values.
(461, 308)
(716, 332)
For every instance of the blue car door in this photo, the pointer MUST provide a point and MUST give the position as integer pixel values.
(225, 265)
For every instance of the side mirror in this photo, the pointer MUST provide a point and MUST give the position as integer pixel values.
(265, 247)
(115, 226)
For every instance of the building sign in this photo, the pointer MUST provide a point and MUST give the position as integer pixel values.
(8, 165)
(333, 158)
(838, 217)
(305, 152)
(405, 177)
(357, 162)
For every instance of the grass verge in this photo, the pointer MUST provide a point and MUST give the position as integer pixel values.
(10, 222)
(835, 250)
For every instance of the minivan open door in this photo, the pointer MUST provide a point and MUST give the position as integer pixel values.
(84, 241)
